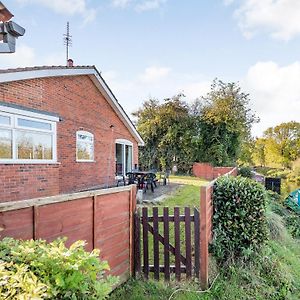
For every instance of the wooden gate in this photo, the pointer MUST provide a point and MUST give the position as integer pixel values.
(168, 244)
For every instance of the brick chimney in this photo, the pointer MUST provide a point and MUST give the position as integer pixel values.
(70, 63)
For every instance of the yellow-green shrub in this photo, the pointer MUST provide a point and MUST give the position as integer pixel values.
(65, 273)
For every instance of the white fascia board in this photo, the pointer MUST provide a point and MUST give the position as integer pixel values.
(33, 74)
(105, 91)
(101, 85)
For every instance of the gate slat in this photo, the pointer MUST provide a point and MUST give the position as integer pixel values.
(188, 242)
(137, 243)
(177, 243)
(166, 244)
(145, 242)
(155, 243)
(197, 241)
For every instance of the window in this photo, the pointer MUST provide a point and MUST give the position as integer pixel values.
(124, 156)
(26, 137)
(84, 146)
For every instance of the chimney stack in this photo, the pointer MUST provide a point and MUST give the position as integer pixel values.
(70, 63)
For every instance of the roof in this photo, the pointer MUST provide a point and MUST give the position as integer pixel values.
(18, 74)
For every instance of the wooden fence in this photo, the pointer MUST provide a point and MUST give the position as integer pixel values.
(103, 218)
(174, 234)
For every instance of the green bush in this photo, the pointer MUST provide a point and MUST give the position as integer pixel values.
(245, 172)
(239, 221)
(54, 270)
(18, 283)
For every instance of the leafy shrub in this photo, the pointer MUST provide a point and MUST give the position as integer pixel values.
(68, 273)
(18, 283)
(239, 219)
(245, 172)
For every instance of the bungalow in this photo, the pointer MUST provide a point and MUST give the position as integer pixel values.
(61, 130)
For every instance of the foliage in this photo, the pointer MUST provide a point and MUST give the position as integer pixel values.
(211, 129)
(18, 283)
(68, 273)
(239, 219)
(245, 172)
(278, 148)
(291, 218)
(167, 130)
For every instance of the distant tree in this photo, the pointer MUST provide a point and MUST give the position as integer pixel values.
(283, 144)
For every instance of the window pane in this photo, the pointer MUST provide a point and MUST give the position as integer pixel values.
(128, 157)
(119, 159)
(5, 144)
(85, 151)
(34, 124)
(33, 145)
(4, 120)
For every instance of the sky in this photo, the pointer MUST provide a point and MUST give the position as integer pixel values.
(159, 48)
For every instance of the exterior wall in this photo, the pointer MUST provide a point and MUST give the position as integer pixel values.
(103, 218)
(208, 172)
(80, 106)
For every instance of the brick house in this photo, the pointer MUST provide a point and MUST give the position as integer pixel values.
(61, 130)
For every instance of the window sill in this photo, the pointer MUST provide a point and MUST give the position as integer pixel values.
(85, 161)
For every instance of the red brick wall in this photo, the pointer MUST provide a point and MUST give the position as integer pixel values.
(81, 107)
(104, 221)
(208, 172)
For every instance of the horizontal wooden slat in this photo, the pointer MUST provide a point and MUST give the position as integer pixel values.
(171, 218)
(172, 269)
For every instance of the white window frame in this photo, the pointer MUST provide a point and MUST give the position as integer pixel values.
(87, 133)
(14, 114)
(124, 142)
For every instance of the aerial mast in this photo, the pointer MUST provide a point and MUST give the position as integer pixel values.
(67, 41)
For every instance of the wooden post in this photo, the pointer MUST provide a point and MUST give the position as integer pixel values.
(35, 221)
(94, 221)
(132, 209)
(204, 237)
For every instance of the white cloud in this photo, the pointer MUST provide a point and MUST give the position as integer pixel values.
(275, 93)
(154, 73)
(279, 18)
(66, 7)
(139, 5)
(23, 57)
(26, 56)
(120, 3)
(149, 5)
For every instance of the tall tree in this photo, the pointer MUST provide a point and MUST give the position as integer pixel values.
(226, 121)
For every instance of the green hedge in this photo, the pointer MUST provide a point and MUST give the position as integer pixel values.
(40, 270)
(239, 221)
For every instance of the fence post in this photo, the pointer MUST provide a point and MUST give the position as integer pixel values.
(204, 208)
(132, 208)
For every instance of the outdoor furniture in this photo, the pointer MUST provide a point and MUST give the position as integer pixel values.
(120, 179)
(143, 179)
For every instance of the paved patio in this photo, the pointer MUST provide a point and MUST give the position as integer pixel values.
(160, 192)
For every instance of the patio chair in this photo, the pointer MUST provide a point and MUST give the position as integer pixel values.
(120, 179)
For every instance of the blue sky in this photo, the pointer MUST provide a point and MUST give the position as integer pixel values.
(158, 48)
